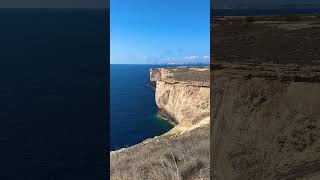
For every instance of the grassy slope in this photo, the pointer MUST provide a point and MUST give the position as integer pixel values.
(182, 157)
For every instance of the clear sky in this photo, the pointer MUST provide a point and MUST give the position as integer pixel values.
(159, 31)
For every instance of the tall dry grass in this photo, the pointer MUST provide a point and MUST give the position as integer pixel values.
(180, 158)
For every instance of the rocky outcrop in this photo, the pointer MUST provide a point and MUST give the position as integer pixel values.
(183, 96)
(265, 122)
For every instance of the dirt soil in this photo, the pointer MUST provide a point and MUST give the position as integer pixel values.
(277, 39)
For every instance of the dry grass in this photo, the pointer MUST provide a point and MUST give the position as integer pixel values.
(180, 158)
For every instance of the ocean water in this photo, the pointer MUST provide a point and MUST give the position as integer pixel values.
(262, 12)
(133, 111)
(53, 94)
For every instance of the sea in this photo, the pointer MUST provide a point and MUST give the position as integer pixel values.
(54, 94)
(133, 112)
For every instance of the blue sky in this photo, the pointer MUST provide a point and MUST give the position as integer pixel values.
(159, 31)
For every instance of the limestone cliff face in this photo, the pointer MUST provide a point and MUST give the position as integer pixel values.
(183, 93)
(265, 122)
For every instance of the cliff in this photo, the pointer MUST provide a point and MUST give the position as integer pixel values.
(265, 121)
(183, 96)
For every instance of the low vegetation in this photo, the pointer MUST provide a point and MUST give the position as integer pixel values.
(179, 158)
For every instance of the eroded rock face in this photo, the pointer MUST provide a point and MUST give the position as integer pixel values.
(265, 122)
(187, 104)
(184, 94)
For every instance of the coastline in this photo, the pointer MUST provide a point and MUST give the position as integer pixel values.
(182, 97)
(181, 77)
(133, 108)
(167, 117)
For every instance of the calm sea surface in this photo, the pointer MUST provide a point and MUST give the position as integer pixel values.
(53, 94)
(133, 109)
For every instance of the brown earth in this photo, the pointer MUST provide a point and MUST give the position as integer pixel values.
(277, 39)
(265, 117)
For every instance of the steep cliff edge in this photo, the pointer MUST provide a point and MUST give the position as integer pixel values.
(183, 95)
(265, 121)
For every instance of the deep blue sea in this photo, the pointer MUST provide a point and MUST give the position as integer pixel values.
(53, 94)
(262, 12)
(133, 111)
